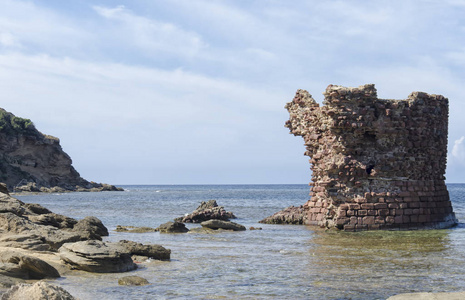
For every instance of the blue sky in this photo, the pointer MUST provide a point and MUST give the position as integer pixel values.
(192, 91)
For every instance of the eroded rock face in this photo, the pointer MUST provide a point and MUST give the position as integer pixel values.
(33, 162)
(377, 164)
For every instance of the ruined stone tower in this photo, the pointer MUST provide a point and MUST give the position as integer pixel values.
(377, 164)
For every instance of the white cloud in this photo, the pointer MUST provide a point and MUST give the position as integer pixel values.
(457, 154)
(8, 40)
(153, 35)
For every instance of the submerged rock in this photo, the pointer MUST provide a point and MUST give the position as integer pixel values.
(172, 227)
(207, 211)
(133, 229)
(132, 280)
(220, 224)
(37, 291)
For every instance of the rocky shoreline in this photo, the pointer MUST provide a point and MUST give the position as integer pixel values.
(37, 244)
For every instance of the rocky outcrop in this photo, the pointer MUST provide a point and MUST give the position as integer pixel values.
(37, 291)
(97, 256)
(207, 211)
(225, 225)
(33, 162)
(377, 164)
(18, 265)
(172, 227)
(148, 250)
(291, 215)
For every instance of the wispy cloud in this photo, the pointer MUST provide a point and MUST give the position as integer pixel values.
(152, 35)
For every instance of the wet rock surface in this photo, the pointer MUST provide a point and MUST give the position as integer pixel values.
(172, 227)
(134, 229)
(220, 224)
(132, 280)
(376, 163)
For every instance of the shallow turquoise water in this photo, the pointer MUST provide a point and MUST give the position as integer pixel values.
(278, 262)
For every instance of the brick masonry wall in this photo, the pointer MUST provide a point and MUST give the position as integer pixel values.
(377, 164)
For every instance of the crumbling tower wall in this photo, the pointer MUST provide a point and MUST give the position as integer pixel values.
(377, 164)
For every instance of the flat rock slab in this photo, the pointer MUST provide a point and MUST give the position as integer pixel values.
(97, 256)
(220, 224)
(133, 229)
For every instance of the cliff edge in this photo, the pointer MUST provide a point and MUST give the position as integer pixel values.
(33, 162)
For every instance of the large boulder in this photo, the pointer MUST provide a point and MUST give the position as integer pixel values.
(15, 264)
(220, 224)
(38, 291)
(172, 227)
(207, 211)
(91, 228)
(97, 256)
(150, 250)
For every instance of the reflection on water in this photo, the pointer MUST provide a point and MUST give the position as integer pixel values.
(278, 262)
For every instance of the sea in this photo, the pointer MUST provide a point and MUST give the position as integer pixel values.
(277, 262)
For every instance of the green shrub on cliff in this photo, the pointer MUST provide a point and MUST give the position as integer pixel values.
(9, 123)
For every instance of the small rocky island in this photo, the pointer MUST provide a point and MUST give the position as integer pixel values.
(377, 164)
(34, 162)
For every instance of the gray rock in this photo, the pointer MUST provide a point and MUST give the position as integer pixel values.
(52, 219)
(97, 256)
(12, 205)
(296, 215)
(133, 229)
(7, 281)
(4, 188)
(220, 224)
(172, 227)
(132, 280)
(150, 250)
(207, 211)
(37, 209)
(38, 291)
(91, 228)
(25, 241)
(15, 264)
(13, 224)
